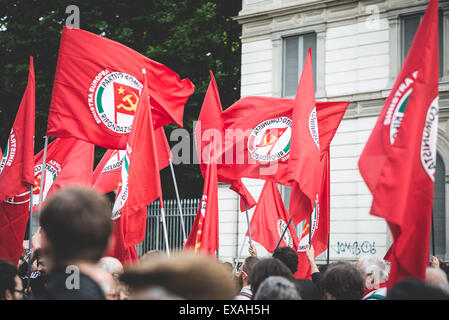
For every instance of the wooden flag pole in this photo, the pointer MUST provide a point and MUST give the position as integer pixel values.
(433, 237)
(283, 233)
(30, 237)
(179, 201)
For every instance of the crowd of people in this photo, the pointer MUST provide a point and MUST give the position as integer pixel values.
(68, 262)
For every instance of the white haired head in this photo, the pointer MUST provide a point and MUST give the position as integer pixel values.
(374, 270)
(111, 265)
(437, 278)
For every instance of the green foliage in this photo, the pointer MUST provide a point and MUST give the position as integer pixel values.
(189, 36)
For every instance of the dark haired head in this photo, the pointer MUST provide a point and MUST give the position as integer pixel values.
(8, 273)
(342, 281)
(77, 224)
(288, 256)
(269, 267)
(248, 266)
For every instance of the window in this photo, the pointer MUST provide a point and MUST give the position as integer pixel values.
(438, 236)
(409, 26)
(295, 52)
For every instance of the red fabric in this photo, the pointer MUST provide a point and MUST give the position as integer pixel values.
(17, 163)
(399, 165)
(143, 184)
(204, 234)
(68, 162)
(127, 255)
(270, 219)
(107, 174)
(14, 215)
(304, 161)
(245, 115)
(320, 222)
(83, 95)
(211, 111)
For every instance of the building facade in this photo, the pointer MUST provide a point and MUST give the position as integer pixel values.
(358, 48)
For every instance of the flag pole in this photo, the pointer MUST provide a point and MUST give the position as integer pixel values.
(164, 226)
(240, 253)
(310, 230)
(283, 233)
(433, 237)
(41, 191)
(178, 200)
(30, 237)
(328, 247)
(247, 221)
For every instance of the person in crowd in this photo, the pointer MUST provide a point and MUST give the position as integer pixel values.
(111, 265)
(242, 274)
(277, 288)
(309, 289)
(151, 254)
(11, 287)
(75, 232)
(437, 278)
(181, 276)
(114, 267)
(412, 289)
(374, 272)
(270, 267)
(342, 281)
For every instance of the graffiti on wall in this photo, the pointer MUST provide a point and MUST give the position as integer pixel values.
(356, 248)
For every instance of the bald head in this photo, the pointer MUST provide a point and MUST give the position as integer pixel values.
(437, 278)
(111, 265)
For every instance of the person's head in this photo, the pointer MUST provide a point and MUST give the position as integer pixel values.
(184, 275)
(111, 265)
(76, 226)
(151, 255)
(374, 271)
(288, 256)
(268, 267)
(412, 289)
(243, 273)
(39, 262)
(277, 288)
(10, 284)
(437, 278)
(342, 281)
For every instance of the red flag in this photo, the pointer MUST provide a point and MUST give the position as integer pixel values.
(141, 182)
(97, 85)
(14, 214)
(269, 220)
(398, 161)
(108, 173)
(241, 153)
(211, 111)
(127, 255)
(304, 161)
(16, 166)
(68, 162)
(320, 222)
(203, 236)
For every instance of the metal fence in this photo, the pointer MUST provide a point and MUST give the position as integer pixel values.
(154, 234)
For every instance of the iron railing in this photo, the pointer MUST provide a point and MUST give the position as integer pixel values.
(154, 234)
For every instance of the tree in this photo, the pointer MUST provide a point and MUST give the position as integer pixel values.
(189, 36)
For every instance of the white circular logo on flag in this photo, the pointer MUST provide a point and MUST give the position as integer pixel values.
(429, 140)
(281, 225)
(304, 241)
(112, 100)
(51, 171)
(270, 140)
(10, 152)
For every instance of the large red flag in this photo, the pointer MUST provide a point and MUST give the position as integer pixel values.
(254, 139)
(211, 111)
(14, 214)
(107, 175)
(320, 222)
(68, 162)
(304, 161)
(141, 182)
(127, 255)
(398, 161)
(269, 220)
(16, 166)
(97, 87)
(203, 236)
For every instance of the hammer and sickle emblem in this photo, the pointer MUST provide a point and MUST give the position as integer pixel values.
(132, 105)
